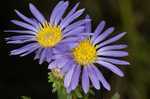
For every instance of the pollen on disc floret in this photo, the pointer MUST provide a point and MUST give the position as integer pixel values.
(85, 53)
(49, 35)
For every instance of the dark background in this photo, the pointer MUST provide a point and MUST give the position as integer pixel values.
(21, 76)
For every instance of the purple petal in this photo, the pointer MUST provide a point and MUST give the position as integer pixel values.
(49, 54)
(111, 67)
(98, 30)
(103, 36)
(93, 77)
(52, 65)
(69, 46)
(68, 76)
(60, 62)
(114, 61)
(36, 13)
(85, 80)
(86, 34)
(54, 12)
(22, 37)
(60, 54)
(23, 49)
(112, 47)
(88, 24)
(21, 41)
(113, 39)
(26, 18)
(62, 47)
(60, 12)
(43, 56)
(65, 46)
(24, 25)
(68, 67)
(75, 78)
(75, 25)
(30, 51)
(76, 31)
(72, 11)
(101, 78)
(69, 89)
(15, 42)
(70, 39)
(37, 55)
(21, 31)
(63, 24)
(114, 53)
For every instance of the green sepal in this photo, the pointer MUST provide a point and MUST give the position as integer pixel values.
(116, 96)
(78, 93)
(25, 97)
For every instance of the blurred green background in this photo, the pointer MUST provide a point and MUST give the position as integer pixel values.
(132, 16)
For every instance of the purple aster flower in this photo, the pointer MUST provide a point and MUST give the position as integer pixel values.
(44, 36)
(94, 49)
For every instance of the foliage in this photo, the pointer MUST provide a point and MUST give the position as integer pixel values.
(116, 96)
(58, 86)
(25, 97)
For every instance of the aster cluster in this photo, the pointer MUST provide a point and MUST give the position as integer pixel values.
(72, 48)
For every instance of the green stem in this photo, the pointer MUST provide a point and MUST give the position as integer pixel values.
(60, 95)
(74, 96)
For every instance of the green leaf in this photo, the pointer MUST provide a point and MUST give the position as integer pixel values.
(69, 96)
(92, 92)
(86, 96)
(25, 97)
(116, 96)
(78, 93)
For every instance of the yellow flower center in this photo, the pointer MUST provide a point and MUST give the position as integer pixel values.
(49, 35)
(85, 53)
